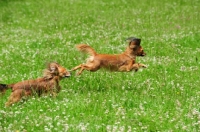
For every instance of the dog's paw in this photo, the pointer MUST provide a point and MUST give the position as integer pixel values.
(78, 73)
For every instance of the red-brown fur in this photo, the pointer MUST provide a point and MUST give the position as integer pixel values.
(123, 62)
(49, 83)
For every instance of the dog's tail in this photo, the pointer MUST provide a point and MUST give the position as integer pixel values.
(86, 49)
(3, 88)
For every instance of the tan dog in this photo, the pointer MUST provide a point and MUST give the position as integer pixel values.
(49, 83)
(123, 62)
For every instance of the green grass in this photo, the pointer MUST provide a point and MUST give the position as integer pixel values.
(163, 97)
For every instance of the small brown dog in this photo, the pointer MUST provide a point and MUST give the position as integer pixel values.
(49, 83)
(120, 62)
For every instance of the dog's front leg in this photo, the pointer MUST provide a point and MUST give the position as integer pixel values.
(136, 66)
(53, 94)
(127, 67)
(90, 67)
(124, 68)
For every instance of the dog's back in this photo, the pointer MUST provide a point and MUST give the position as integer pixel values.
(36, 84)
(109, 60)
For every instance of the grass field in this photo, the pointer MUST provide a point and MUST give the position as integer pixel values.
(163, 97)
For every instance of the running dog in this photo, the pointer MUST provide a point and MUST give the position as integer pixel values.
(123, 62)
(49, 83)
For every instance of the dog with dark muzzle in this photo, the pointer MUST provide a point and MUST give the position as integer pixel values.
(123, 62)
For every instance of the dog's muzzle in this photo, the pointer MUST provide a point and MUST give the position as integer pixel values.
(66, 76)
(143, 54)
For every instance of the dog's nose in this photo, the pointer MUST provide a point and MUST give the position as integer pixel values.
(144, 54)
(67, 75)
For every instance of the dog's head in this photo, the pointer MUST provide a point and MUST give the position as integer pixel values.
(54, 69)
(134, 45)
(140, 51)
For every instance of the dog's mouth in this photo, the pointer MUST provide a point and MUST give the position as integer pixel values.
(67, 76)
(143, 54)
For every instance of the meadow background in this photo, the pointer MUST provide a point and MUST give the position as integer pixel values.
(163, 97)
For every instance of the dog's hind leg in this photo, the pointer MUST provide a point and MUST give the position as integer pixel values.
(13, 99)
(83, 67)
(89, 67)
(77, 67)
(127, 67)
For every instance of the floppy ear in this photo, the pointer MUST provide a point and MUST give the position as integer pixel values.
(53, 67)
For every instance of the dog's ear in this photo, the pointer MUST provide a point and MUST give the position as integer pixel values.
(134, 43)
(51, 70)
(138, 41)
(53, 67)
